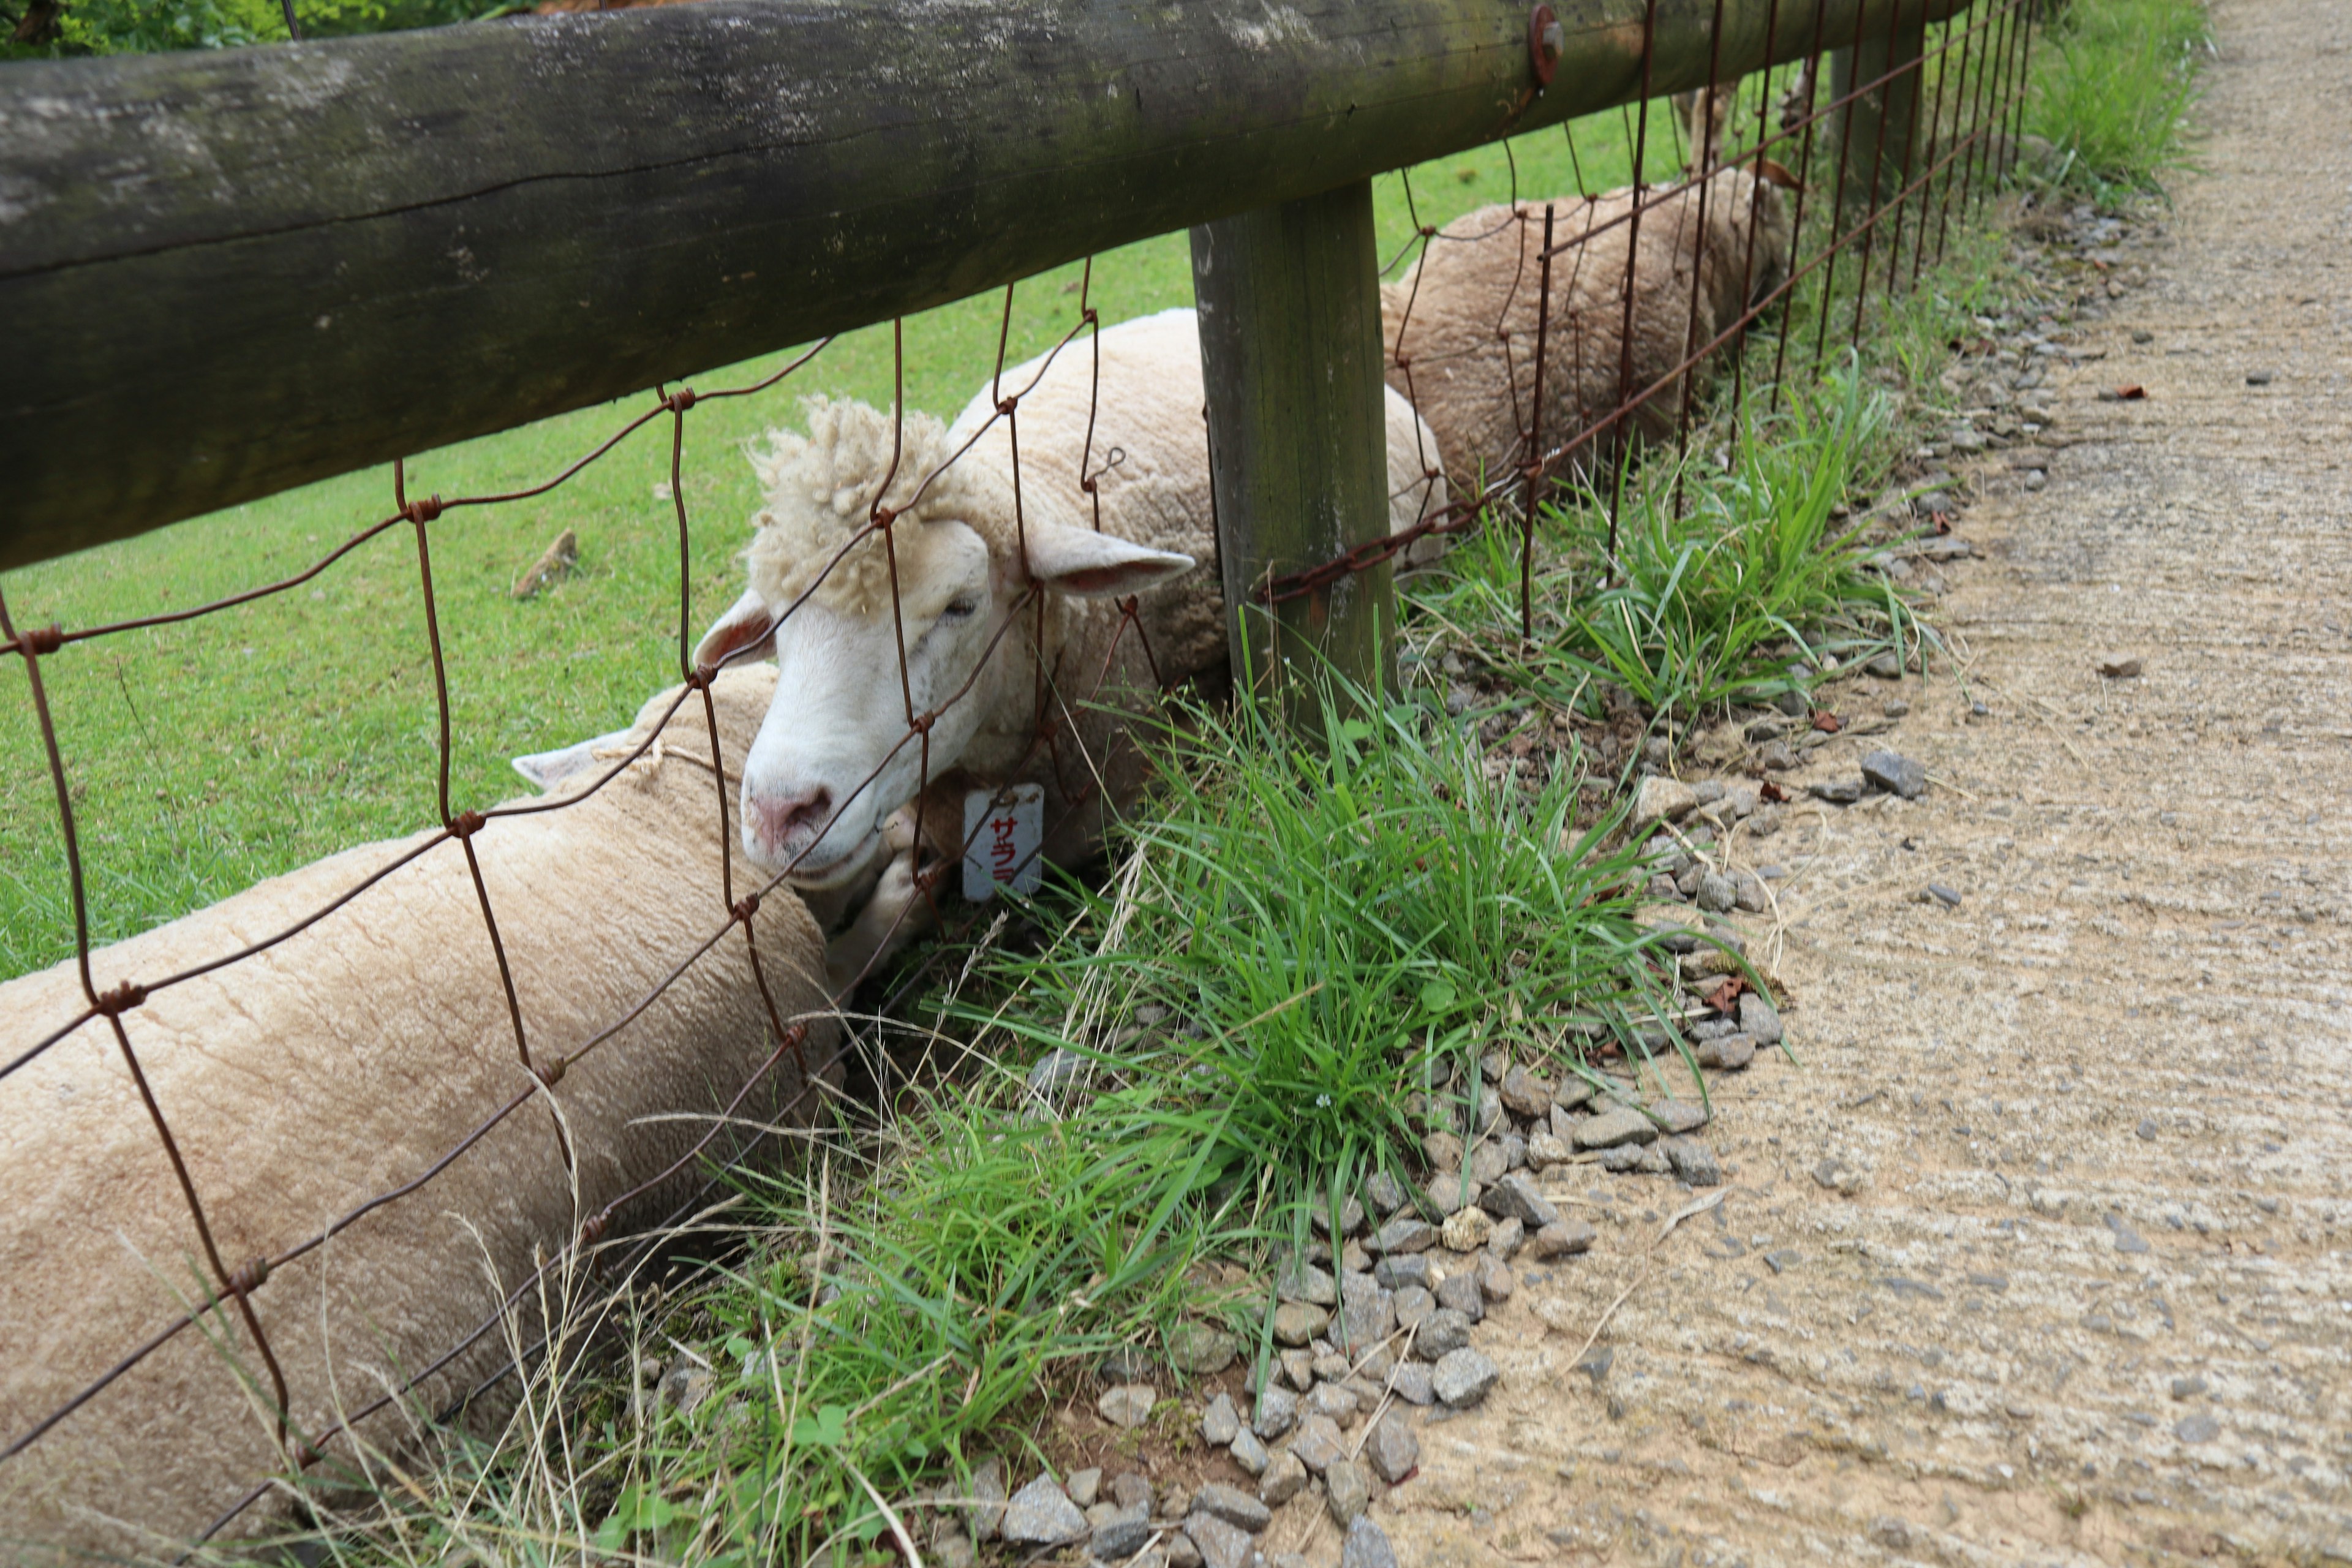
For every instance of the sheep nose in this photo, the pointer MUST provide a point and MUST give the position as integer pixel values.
(781, 819)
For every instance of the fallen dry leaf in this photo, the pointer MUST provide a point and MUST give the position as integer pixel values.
(1828, 723)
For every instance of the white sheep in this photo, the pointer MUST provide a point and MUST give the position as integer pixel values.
(1461, 327)
(1047, 699)
(339, 1064)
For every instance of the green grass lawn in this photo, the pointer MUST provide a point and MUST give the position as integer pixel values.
(207, 755)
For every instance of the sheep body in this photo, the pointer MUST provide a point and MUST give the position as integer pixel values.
(338, 1065)
(1461, 327)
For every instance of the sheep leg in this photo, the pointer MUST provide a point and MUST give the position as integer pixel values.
(895, 915)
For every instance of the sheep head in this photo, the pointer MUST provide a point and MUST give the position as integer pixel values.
(874, 540)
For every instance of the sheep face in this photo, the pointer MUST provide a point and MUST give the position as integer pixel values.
(836, 755)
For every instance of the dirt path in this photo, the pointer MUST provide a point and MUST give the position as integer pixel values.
(2091, 1299)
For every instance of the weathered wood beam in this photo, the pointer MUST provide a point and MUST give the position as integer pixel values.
(223, 274)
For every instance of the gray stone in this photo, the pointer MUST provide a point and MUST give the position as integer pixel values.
(1659, 799)
(1463, 1377)
(1405, 1234)
(1759, 1020)
(1562, 1239)
(1509, 1236)
(1199, 1350)
(1546, 1150)
(2126, 1238)
(1413, 1306)
(1885, 667)
(1284, 1478)
(1375, 1364)
(1232, 1505)
(1445, 1150)
(1332, 1401)
(1297, 1367)
(1611, 1127)
(1387, 1194)
(1495, 1280)
(1366, 1546)
(1516, 1197)
(1129, 1405)
(1248, 1452)
(1317, 1444)
(1131, 1489)
(1397, 1271)
(1084, 1486)
(1041, 1514)
(1837, 791)
(1344, 1491)
(1351, 1216)
(1222, 1546)
(950, 1548)
(1299, 1281)
(987, 1500)
(1277, 1412)
(1410, 1383)
(1121, 1534)
(1715, 893)
(1728, 1053)
(1487, 1162)
(1391, 1449)
(1332, 1368)
(1748, 892)
(1524, 1094)
(1447, 1194)
(1056, 1070)
(1219, 1421)
(1693, 1161)
(2118, 666)
(1677, 1116)
(1181, 1552)
(2198, 1428)
(1461, 1292)
(1296, 1322)
(1365, 1322)
(1447, 1331)
(1571, 1092)
(1895, 708)
(1896, 773)
(1353, 1258)
(1947, 897)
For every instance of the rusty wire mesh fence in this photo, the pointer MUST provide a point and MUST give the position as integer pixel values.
(1607, 307)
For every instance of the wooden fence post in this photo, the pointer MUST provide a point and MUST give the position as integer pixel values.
(1290, 347)
(1878, 130)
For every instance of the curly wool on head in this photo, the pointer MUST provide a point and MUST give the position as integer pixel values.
(821, 489)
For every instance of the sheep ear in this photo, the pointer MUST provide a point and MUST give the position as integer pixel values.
(749, 629)
(1773, 173)
(1099, 566)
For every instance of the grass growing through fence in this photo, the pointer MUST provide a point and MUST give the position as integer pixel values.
(2113, 95)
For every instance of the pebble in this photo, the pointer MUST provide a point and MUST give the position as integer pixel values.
(988, 1499)
(1661, 798)
(2126, 1238)
(1121, 1534)
(1299, 1281)
(1397, 1271)
(2035, 479)
(1885, 667)
(1466, 1230)
(1516, 1197)
(1391, 1449)
(1509, 1236)
(1351, 1216)
(1387, 1194)
(1199, 1350)
(1344, 1491)
(1297, 1367)
(1610, 1129)
(1463, 1378)
(1677, 1116)
(1564, 1239)
(1413, 1306)
(1332, 1368)
(1248, 1452)
(1131, 1489)
(1366, 1546)
(1220, 1422)
(2197, 1428)
(1084, 1486)
(1715, 892)
(1222, 1546)
(1276, 1413)
(2261, 377)
(1727, 1053)
(1181, 1552)
(1041, 1514)
(1333, 1401)
(1284, 1478)
(1461, 1292)
(1693, 1161)
(1317, 1444)
(1759, 1020)
(1448, 1193)
(2188, 1387)
(1296, 1322)
(1411, 1383)
(1947, 897)
(1574, 1091)
(1405, 1234)
(1446, 1332)
(1367, 1321)
(1232, 1505)
(1546, 1150)
(2119, 667)
(1129, 1405)
(1524, 1094)
(1895, 708)
(1488, 1161)
(1055, 1072)
(1896, 773)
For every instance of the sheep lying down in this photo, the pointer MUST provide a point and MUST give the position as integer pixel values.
(1016, 644)
(339, 1064)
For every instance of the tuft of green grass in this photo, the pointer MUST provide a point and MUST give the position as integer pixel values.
(2114, 90)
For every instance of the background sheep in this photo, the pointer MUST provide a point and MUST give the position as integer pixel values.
(1482, 273)
(333, 1067)
(1049, 702)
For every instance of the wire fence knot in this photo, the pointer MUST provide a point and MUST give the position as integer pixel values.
(35, 640)
(1006, 406)
(245, 1280)
(884, 517)
(422, 511)
(745, 907)
(593, 1228)
(681, 400)
(465, 823)
(551, 1073)
(121, 999)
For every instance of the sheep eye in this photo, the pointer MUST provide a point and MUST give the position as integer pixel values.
(959, 609)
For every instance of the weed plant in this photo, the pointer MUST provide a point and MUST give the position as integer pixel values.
(2115, 92)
